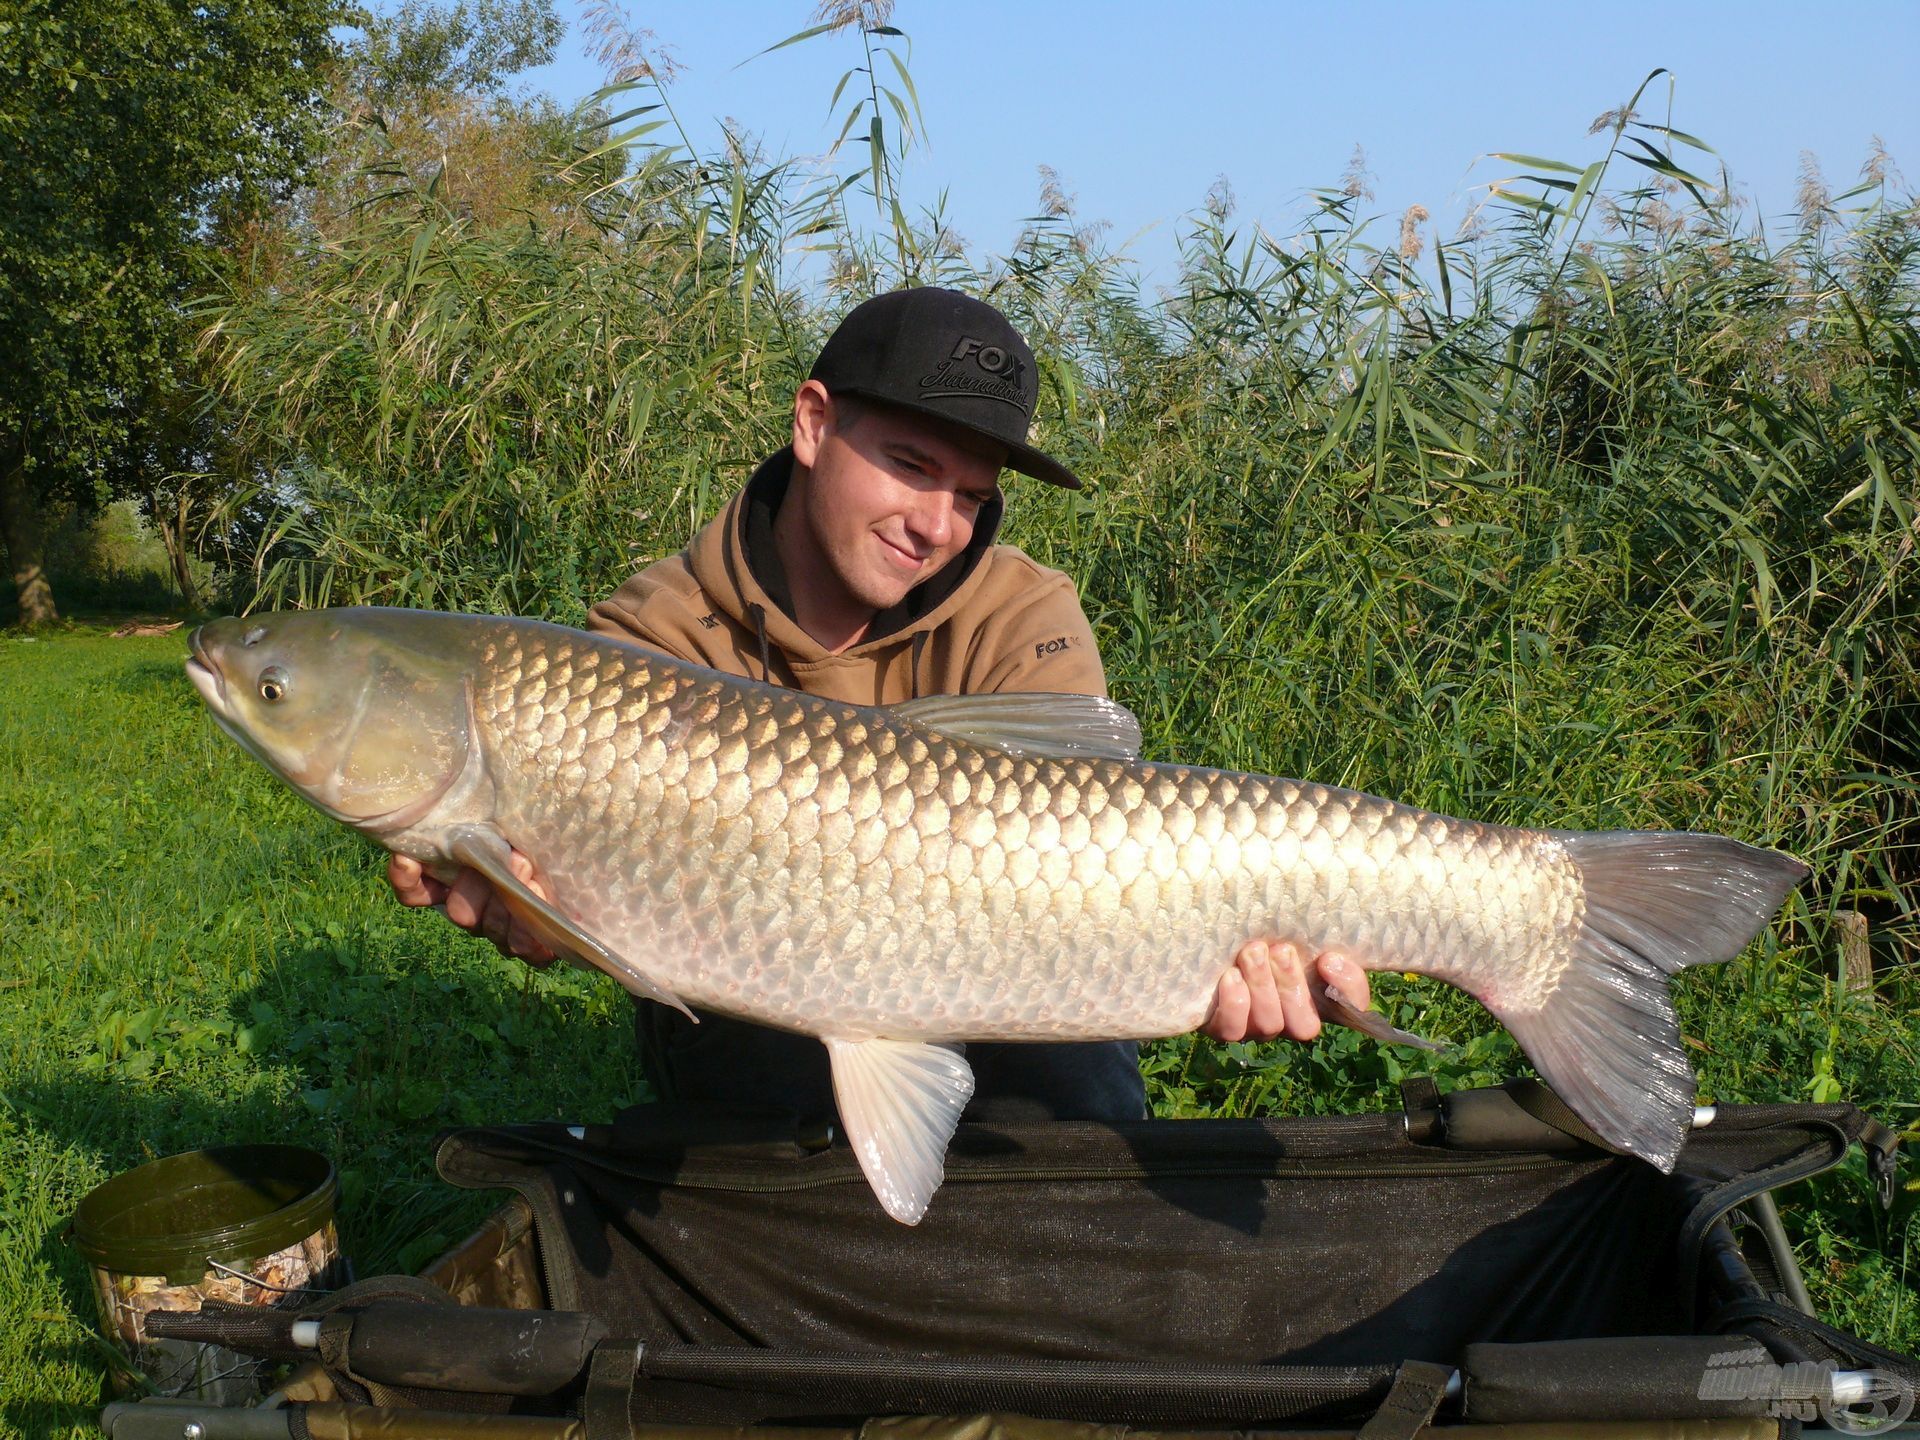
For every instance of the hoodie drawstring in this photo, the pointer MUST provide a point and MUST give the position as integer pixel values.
(913, 668)
(759, 614)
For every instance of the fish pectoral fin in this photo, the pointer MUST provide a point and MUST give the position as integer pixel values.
(487, 851)
(1031, 723)
(1334, 1005)
(900, 1101)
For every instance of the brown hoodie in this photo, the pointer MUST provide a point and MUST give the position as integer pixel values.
(993, 620)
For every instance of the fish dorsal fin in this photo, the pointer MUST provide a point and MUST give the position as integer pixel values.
(900, 1101)
(486, 850)
(1031, 723)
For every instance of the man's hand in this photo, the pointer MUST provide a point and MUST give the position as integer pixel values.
(474, 905)
(1267, 993)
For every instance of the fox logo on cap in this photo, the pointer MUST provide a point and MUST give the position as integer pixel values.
(990, 358)
(944, 354)
(978, 367)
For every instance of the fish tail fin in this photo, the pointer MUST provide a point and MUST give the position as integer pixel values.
(1606, 1040)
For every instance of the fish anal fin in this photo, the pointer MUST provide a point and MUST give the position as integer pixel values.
(1031, 723)
(487, 851)
(900, 1101)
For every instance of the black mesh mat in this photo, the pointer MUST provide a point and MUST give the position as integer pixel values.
(1334, 1241)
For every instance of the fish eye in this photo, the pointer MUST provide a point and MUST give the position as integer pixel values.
(273, 683)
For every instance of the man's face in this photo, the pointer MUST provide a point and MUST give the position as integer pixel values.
(892, 497)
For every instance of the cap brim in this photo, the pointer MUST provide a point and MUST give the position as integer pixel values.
(1029, 461)
(1022, 459)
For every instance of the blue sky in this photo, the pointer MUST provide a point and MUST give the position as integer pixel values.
(1141, 106)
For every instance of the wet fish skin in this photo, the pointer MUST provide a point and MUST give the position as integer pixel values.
(792, 860)
(892, 883)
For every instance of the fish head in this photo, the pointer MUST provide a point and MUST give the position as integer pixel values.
(367, 713)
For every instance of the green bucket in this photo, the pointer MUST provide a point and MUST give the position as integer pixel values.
(241, 1224)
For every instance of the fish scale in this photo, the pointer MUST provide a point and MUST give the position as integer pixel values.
(997, 867)
(950, 878)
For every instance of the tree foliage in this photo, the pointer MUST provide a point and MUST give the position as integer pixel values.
(472, 47)
(131, 133)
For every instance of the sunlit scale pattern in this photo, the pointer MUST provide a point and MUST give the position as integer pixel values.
(835, 870)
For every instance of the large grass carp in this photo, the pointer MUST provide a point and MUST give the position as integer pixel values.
(990, 867)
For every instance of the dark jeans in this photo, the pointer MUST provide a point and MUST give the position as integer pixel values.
(727, 1061)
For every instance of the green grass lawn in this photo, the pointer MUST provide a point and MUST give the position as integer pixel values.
(189, 956)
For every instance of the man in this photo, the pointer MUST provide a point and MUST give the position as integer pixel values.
(858, 564)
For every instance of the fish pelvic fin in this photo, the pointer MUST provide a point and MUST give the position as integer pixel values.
(1606, 1039)
(900, 1101)
(1336, 1005)
(486, 850)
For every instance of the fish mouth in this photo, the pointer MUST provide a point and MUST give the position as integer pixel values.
(211, 681)
(204, 671)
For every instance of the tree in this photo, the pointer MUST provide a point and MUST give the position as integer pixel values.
(133, 134)
(416, 49)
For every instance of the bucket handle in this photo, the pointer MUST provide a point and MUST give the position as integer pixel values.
(213, 1264)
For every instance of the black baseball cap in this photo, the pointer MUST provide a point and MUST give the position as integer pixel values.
(940, 353)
